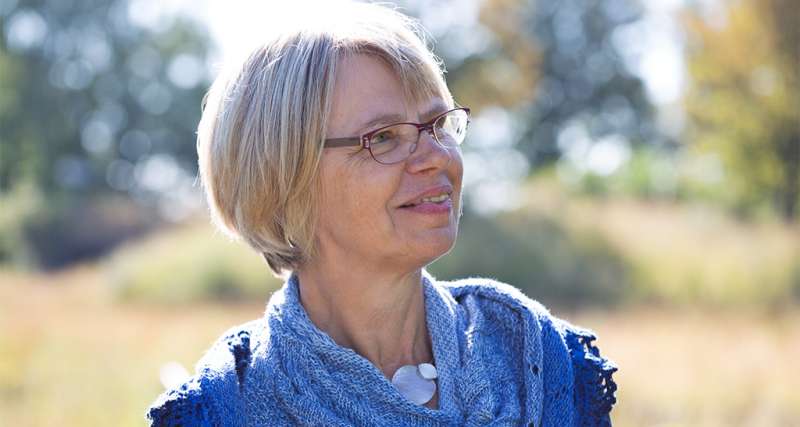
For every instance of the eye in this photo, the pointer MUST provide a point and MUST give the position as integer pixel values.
(386, 135)
(386, 140)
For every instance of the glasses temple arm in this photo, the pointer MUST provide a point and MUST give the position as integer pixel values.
(342, 142)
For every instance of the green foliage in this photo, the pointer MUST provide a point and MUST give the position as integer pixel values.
(744, 99)
(95, 96)
(549, 63)
(21, 206)
(538, 255)
(88, 100)
(46, 233)
(187, 264)
(650, 174)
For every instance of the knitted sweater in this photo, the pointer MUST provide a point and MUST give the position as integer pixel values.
(502, 359)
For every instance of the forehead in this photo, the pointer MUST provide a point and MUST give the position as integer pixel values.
(365, 89)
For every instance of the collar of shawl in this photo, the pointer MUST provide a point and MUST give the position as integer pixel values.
(319, 372)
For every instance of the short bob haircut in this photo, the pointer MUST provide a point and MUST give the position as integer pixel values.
(260, 139)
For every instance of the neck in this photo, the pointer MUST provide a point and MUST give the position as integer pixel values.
(378, 315)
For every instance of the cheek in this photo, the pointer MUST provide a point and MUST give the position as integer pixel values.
(374, 201)
(357, 200)
(336, 208)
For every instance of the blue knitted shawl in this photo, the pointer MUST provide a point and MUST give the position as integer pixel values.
(503, 360)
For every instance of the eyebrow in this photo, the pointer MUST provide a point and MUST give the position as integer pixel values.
(389, 118)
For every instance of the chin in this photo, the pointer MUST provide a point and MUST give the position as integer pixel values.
(436, 244)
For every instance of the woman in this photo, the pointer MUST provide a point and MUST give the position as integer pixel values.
(334, 152)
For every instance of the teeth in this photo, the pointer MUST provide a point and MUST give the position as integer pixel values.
(436, 199)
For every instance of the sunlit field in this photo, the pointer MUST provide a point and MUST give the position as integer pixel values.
(71, 356)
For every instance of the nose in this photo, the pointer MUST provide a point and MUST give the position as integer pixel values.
(427, 153)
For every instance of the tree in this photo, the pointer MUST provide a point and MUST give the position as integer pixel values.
(553, 64)
(96, 104)
(744, 99)
(89, 95)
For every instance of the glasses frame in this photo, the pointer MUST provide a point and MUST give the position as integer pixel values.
(364, 139)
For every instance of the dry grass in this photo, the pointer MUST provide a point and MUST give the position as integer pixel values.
(683, 253)
(71, 356)
(699, 368)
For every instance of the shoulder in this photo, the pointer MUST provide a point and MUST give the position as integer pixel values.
(212, 395)
(567, 350)
(490, 293)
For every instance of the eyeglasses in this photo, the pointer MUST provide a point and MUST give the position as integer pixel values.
(395, 143)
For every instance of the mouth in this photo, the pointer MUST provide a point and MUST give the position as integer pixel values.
(435, 199)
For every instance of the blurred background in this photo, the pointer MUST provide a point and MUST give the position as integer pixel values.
(635, 166)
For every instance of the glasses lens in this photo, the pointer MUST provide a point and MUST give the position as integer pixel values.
(394, 143)
(451, 128)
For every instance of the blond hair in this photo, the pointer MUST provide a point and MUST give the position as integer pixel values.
(261, 135)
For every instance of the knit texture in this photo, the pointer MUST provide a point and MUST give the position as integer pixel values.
(502, 358)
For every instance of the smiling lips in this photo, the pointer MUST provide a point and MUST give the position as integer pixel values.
(437, 195)
(434, 201)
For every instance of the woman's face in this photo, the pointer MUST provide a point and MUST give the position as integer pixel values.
(364, 214)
